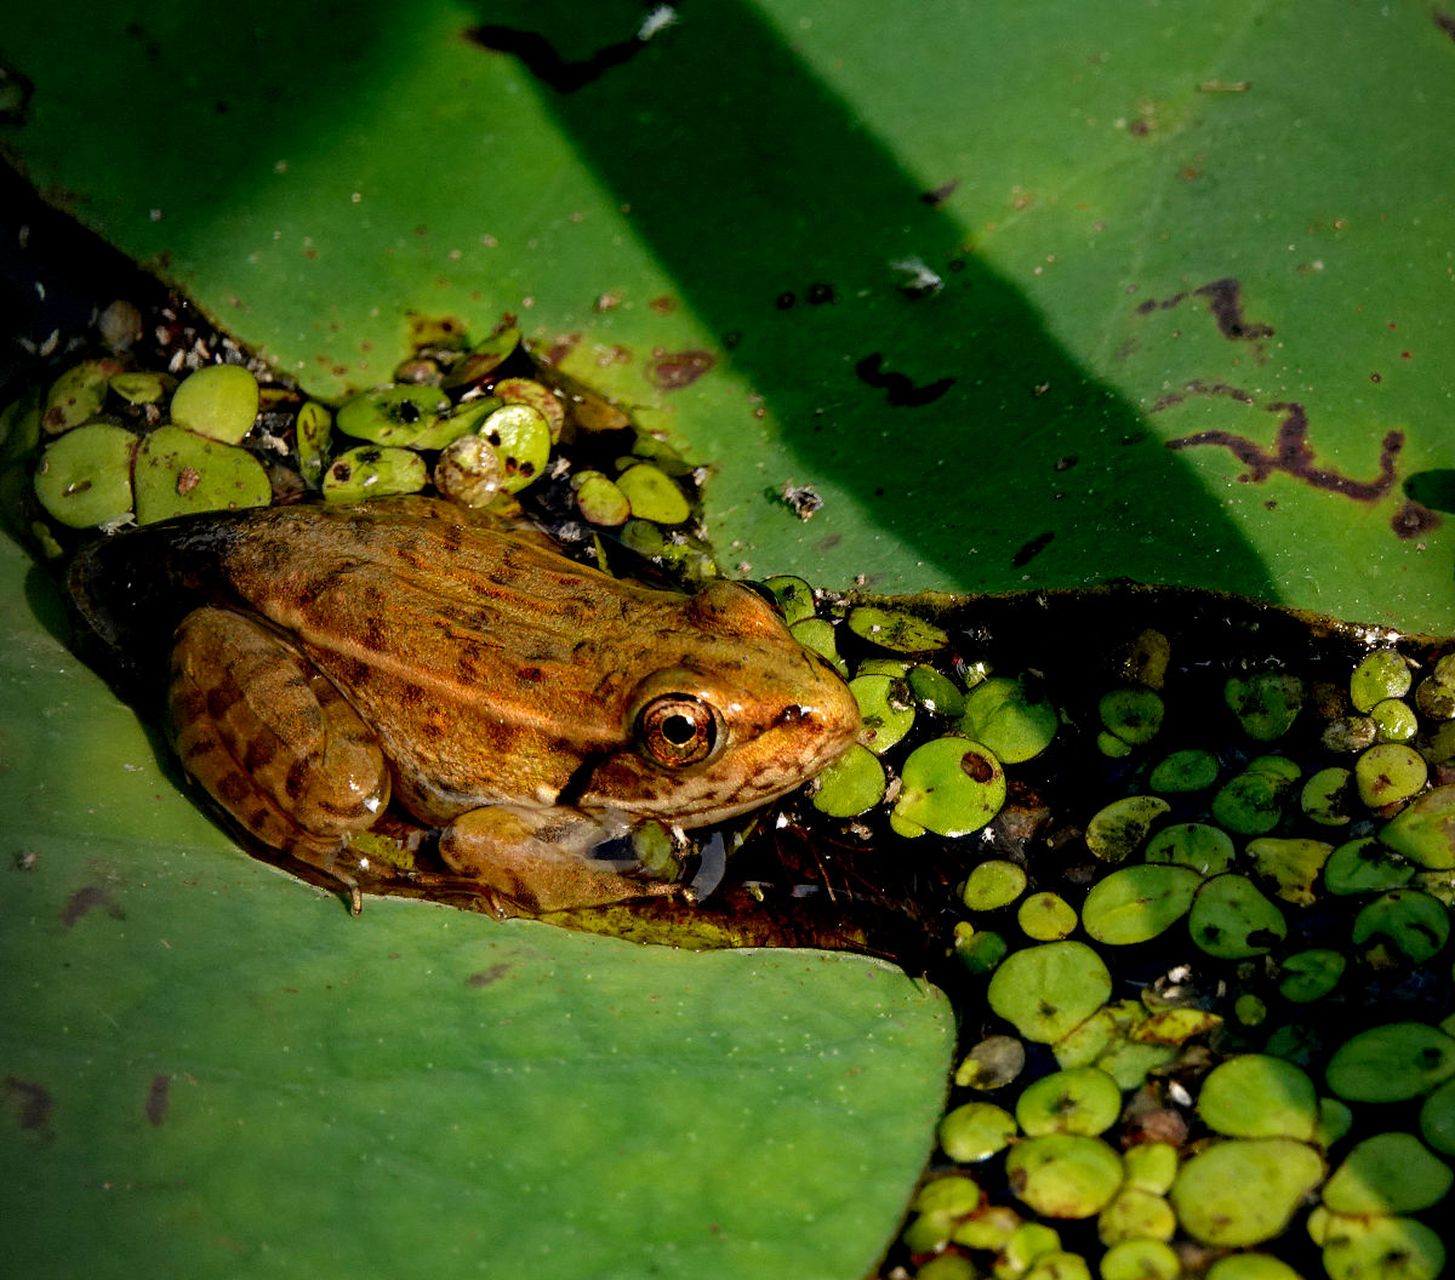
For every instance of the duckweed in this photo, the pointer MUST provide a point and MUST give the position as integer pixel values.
(852, 785)
(653, 495)
(1357, 1248)
(1291, 866)
(83, 478)
(951, 786)
(416, 417)
(1136, 1215)
(1391, 1063)
(993, 884)
(520, 435)
(885, 708)
(1437, 1119)
(1013, 720)
(1064, 1175)
(536, 396)
(1389, 773)
(1265, 704)
(1151, 1166)
(1134, 904)
(140, 387)
(1046, 916)
(177, 473)
(992, 1063)
(1425, 831)
(1081, 1100)
(373, 472)
(1326, 797)
(1205, 849)
(795, 598)
(1257, 1096)
(1251, 803)
(1365, 866)
(77, 395)
(219, 401)
(1306, 976)
(1251, 1266)
(1388, 1173)
(1133, 715)
(816, 634)
(1045, 991)
(976, 1131)
(1120, 829)
(1244, 1191)
(936, 693)
(1232, 920)
(1184, 771)
(1149, 1260)
(1380, 675)
(1403, 926)
(314, 433)
(1394, 720)
(895, 630)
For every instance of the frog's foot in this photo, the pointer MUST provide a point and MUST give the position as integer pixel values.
(534, 861)
(270, 739)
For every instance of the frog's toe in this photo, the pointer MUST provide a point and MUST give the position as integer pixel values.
(537, 861)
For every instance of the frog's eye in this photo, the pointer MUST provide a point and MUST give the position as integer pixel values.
(677, 729)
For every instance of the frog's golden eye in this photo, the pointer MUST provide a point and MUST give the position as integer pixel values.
(677, 729)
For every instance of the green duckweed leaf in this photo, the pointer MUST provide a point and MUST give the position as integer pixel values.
(1244, 1190)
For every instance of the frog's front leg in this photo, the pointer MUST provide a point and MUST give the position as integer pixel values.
(539, 860)
(270, 738)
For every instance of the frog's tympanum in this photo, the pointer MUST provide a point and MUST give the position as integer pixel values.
(334, 657)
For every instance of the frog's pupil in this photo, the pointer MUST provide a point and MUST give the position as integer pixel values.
(679, 730)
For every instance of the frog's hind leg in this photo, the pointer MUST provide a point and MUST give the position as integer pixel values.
(270, 738)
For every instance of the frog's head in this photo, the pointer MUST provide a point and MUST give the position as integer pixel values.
(736, 714)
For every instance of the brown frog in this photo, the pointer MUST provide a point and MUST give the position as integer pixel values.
(531, 707)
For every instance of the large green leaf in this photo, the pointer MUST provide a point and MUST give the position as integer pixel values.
(311, 182)
(312, 177)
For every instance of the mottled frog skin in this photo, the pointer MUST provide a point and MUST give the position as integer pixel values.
(529, 706)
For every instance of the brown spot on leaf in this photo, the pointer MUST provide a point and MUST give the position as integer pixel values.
(32, 1102)
(157, 1099)
(1412, 520)
(486, 977)
(85, 900)
(672, 370)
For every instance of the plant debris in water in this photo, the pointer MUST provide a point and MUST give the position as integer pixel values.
(1184, 862)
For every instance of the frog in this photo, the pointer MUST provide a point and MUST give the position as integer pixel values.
(327, 660)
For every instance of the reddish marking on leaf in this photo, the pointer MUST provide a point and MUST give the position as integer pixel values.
(485, 977)
(1293, 455)
(86, 899)
(976, 766)
(1224, 299)
(157, 1100)
(1412, 520)
(33, 1102)
(671, 370)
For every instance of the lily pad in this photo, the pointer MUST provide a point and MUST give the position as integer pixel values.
(1382, 1246)
(895, 630)
(1081, 1100)
(1118, 830)
(83, 479)
(1232, 920)
(1425, 831)
(1266, 704)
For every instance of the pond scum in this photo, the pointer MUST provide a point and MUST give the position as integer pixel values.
(1184, 862)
